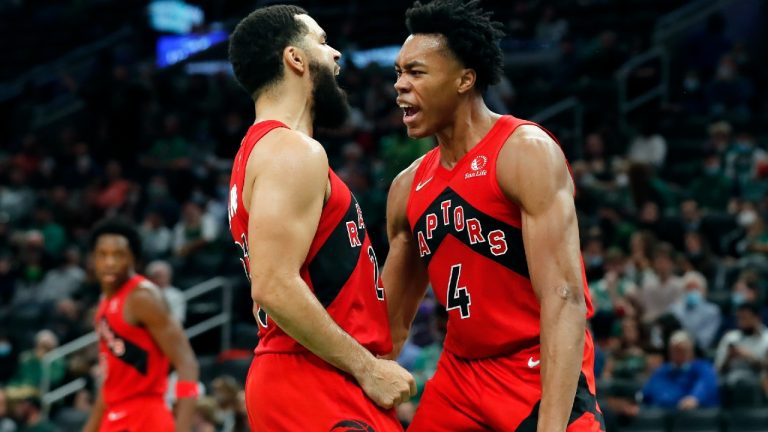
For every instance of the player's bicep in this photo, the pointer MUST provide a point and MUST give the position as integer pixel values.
(539, 181)
(286, 203)
(150, 311)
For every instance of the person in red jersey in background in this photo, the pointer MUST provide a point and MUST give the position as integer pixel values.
(487, 218)
(138, 340)
(314, 276)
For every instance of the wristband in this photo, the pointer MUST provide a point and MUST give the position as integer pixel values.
(186, 389)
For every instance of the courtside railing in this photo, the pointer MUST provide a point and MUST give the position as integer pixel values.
(222, 319)
(659, 91)
(571, 104)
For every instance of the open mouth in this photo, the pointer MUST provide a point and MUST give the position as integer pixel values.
(409, 112)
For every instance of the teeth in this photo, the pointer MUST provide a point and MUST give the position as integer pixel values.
(405, 106)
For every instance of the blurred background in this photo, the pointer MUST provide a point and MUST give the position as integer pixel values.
(129, 108)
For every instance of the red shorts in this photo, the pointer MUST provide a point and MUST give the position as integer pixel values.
(140, 414)
(301, 392)
(495, 394)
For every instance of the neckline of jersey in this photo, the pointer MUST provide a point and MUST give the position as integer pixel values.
(448, 173)
(263, 123)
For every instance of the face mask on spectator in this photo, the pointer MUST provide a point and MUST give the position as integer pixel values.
(5, 349)
(737, 299)
(693, 298)
(746, 218)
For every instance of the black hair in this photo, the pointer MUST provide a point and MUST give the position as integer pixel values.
(751, 307)
(256, 45)
(119, 227)
(471, 34)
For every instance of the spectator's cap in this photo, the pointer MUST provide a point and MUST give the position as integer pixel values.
(24, 394)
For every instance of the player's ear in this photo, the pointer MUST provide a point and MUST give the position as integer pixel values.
(466, 80)
(295, 59)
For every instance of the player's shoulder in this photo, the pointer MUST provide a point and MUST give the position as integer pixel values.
(530, 138)
(284, 145)
(403, 181)
(146, 290)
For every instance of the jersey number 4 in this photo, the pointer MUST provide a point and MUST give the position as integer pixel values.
(457, 297)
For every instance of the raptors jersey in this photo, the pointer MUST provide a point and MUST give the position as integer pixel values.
(470, 237)
(341, 267)
(132, 363)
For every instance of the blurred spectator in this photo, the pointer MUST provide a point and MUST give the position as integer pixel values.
(698, 256)
(742, 352)
(742, 161)
(161, 273)
(29, 416)
(114, 193)
(699, 317)
(627, 360)
(65, 279)
(551, 27)
(593, 257)
(6, 423)
(719, 137)
(34, 263)
(53, 233)
(194, 231)
(755, 240)
(225, 393)
(712, 190)
(7, 278)
(684, 382)
(730, 93)
(205, 415)
(8, 359)
(659, 286)
(170, 152)
(156, 237)
(610, 293)
(16, 195)
(648, 146)
(30, 369)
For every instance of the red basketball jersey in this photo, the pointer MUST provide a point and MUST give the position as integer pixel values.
(470, 238)
(341, 267)
(131, 361)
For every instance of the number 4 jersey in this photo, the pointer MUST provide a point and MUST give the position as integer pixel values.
(469, 235)
(341, 267)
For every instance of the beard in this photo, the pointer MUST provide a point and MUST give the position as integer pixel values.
(330, 108)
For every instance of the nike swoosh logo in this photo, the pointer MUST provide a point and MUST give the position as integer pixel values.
(532, 364)
(422, 184)
(115, 416)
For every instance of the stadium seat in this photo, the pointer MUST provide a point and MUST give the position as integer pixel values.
(748, 420)
(648, 420)
(699, 420)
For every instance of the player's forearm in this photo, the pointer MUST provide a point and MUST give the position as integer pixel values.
(97, 411)
(563, 325)
(290, 304)
(185, 411)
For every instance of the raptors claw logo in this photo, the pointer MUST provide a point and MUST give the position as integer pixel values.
(352, 426)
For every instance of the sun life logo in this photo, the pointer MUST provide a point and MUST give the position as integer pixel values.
(478, 167)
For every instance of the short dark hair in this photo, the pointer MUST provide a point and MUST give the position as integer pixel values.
(256, 45)
(471, 34)
(752, 307)
(119, 227)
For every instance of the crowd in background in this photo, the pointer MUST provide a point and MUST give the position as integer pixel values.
(673, 214)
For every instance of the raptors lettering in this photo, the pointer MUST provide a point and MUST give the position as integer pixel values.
(453, 218)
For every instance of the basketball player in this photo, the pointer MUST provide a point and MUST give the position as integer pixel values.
(314, 275)
(138, 338)
(487, 218)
